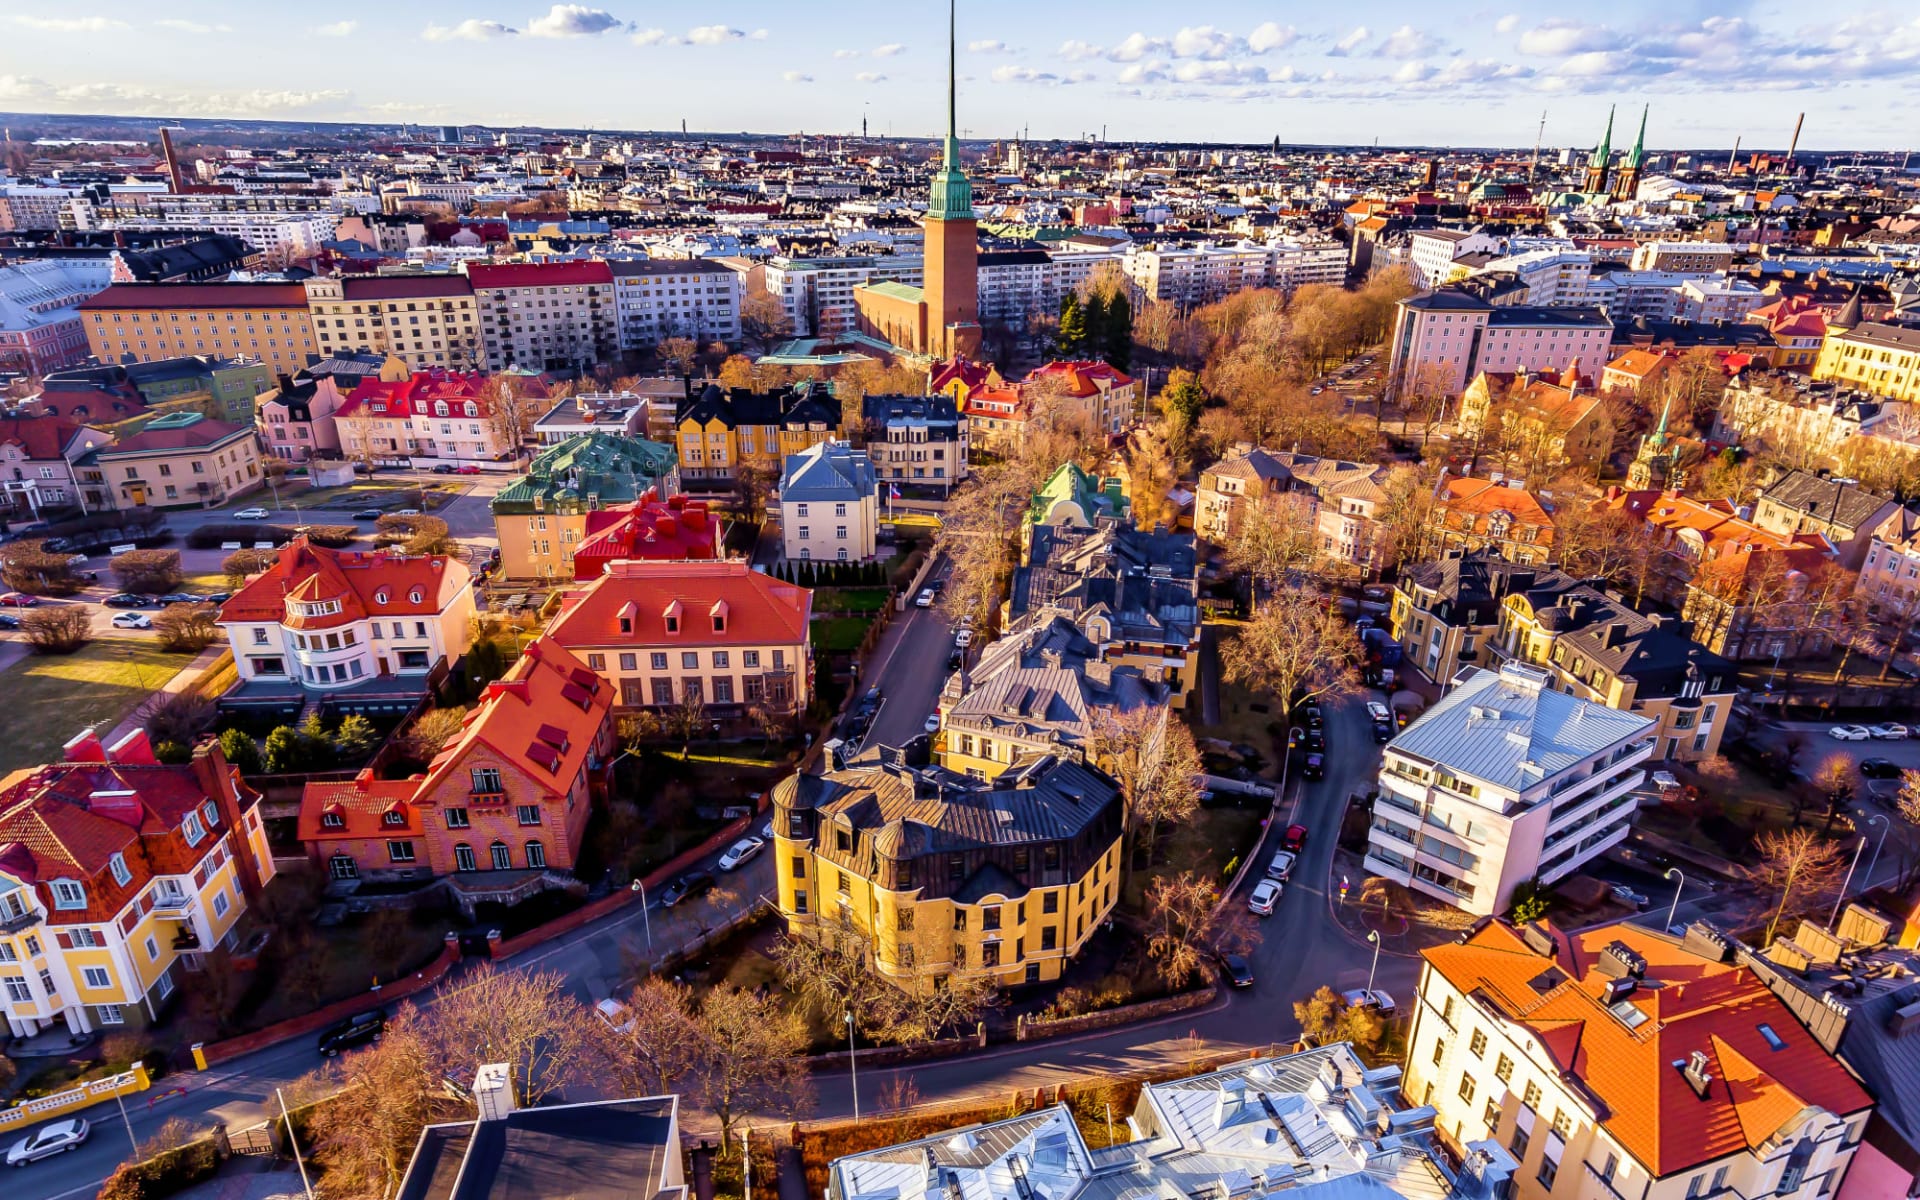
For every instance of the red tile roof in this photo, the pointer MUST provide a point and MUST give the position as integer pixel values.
(198, 295)
(1083, 378)
(542, 717)
(196, 436)
(676, 530)
(38, 437)
(515, 275)
(360, 806)
(760, 610)
(1691, 1003)
(375, 584)
(416, 395)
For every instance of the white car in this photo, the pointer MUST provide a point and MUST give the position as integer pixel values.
(252, 514)
(738, 853)
(933, 723)
(1282, 865)
(1264, 896)
(55, 1137)
(406, 512)
(1369, 998)
(1377, 711)
(963, 639)
(618, 1016)
(132, 621)
(1890, 731)
(1850, 733)
(924, 599)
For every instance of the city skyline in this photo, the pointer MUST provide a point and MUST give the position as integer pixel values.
(1238, 72)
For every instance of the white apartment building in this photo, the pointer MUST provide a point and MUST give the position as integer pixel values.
(818, 292)
(1432, 252)
(1627, 294)
(1553, 278)
(1200, 274)
(1503, 781)
(1704, 257)
(829, 504)
(1718, 299)
(280, 237)
(540, 316)
(25, 206)
(656, 299)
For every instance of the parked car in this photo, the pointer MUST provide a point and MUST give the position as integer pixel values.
(618, 1016)
(741, 851)
(1264, 896)
(252, 514)
(1316, 741)
(443, 468)
(963, 639)
(1879, 768)
(132, 620)
(1236, 968)
(1315, 767)
(1382, 732)
(126, 600)
(1844, 733)
(356, 1030)
(406, 512)
(932, 724)
(1316, 716)
(9, 621)
(1369, 998)
(1377, 711)
(1627, 896)
(1295, 838)
(367, 514)
(217, 597)
(19, 600)
(1890, 731)
(55, 1137)
(469, 469)
(1282, 865)
(183, 598)
(695, 883)
(924, 599)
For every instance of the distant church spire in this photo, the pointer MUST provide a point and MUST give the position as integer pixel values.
(1626, 186)
(1600, 165)
(952, 194)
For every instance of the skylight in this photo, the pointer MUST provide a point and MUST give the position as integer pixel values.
(1627, 1014)
(1774, 1040)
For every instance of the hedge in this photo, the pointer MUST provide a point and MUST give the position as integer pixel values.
(210, 537)
(165, 1174)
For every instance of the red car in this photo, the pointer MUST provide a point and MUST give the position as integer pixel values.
(19, 600)
(466, 470)
(1295, 838)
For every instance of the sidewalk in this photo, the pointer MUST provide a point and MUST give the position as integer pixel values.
(1430, 923)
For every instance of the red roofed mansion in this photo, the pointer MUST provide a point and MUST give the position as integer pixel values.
(360, 631)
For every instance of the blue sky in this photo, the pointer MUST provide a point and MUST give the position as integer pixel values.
(1438, 72)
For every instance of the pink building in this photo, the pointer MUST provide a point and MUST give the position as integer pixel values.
(1444, 338)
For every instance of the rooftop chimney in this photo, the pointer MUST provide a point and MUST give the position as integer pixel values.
(1695, 1070)
(84, 747)
(133, 749)
(219, 782)
(174, 179)
(493, 1091)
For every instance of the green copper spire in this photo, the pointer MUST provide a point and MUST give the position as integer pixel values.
(1603, 153)
(1659, 439)
(952, 195)
(1640, 141)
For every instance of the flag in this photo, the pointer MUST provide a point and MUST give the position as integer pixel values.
(893, 491)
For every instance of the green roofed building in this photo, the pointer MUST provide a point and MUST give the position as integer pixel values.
(541, 517)
(1071, 496)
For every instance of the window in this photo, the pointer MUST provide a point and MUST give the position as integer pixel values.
(68, 894)
(1439, 1050)
(1503, 1069)
(749, 658)
(1549, 1171)
(629, 662)
(221, 903)
(1467, 1087)
(400, 852)
(111, 1014)
(97, 978)
(18, 991)
(1446, 1010)
(658, 661)
(1491, 1117)
(192, 828)
(341, 866)
(528, 814)
(502, 857)
(1531, 1097)
(463, 858)
(122, 876)
(903, 920)
(536, 856)
(153, 949)
(1519, 1144)
(393, 817)
(1478, 1043)
(486, 779)
(690, 660)
(457, 819)
(1050, 902)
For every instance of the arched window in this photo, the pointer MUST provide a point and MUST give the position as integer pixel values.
(341, 866)
(463, 858)
(536, 856)
(502, 857)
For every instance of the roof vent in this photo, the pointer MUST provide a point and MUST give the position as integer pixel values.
(1620, 961)
(1540, 941)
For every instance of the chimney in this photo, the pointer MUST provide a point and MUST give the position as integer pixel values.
(1697, 1076)
(1616, 633)
(1863, 926)
(702, 1156)
(133, 749)
(220, 783)
(493, 1091)
(84, 747)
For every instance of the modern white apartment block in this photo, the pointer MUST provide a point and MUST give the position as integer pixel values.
(1504, 780)
(1202, 273)
(818, 292)
(1683, 256)
(657, 299)
(1432, 252)
(1553, 278)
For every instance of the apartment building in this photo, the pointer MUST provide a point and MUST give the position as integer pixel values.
(427, 320)
(1432, 252)
(817, 293)
(543, 518)
(1707, 258)
(545, 316)
(676, 529)
(1623, 1061)
(26, 206)
(1776, 409)
(1552, 278)
(947, 875)
(1191, 275)
(1443, 339)
(1838, 509)
(356, 631)
(282, 239)
(423, 418)
(722, 428)
(180, 460)
(41, 329)
(657, 299)
(1446, 612)
(1542, 425)
(1098, 393)
(714, 634)
(269, 322)
(1890, 573)
(1717, 299)
(118, 876)
(916, 439)
(1875, 357)
(830, 504)
(1484, 514)
(1505, 780)
(37, 467)
(1016, 286)
(511, 792)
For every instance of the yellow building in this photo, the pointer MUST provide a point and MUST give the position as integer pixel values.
(428, 320)
(944, 875)
(150, 321)
(1882, 359)
(718, 430)
(117, 876)
(541, 518)
(178, 460)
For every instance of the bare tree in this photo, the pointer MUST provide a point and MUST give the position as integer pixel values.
(687, 718)
(763, 318)
(187, 626)
(1153, 758)
(525, 1019)
(510, 409)
(751, 1059)
(432, 730)
(1296, 648)
(382, 1097)
(57, 630)
(657, 1044)
(1326, 1018)
(679, 353)
(1274, 540)
(1180, 912)
(1802, 866)
(833, 971)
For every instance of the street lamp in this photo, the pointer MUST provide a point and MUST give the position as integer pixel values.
(1834, 918)
(853, 1067)
(1875, 860)
(1373, 935)
(1680, 885)
(646, 918)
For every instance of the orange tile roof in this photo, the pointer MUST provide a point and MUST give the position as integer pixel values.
(375, 584)
(542, 717)
(361, 805)
(760, 610)
(1691, 1003)
(1639, 363)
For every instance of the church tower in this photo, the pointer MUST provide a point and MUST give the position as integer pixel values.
(952, 287)
(1652, 467)
(1627, 185)
(1599, 166)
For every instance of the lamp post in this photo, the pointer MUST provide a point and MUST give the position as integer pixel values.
(1875, 860)
(1845, 884)
(853, 1067)
(646, 918)
(1373, 935)
(1680, 885)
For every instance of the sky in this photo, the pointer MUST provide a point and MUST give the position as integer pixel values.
(1438, 72)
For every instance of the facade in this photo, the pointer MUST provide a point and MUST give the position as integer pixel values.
(511, 792)
(1227, 488)
(1443, 339)
(657, 299)
(1706, 258)
(295, 419)
(1482, 514)
(37, 467)
(1192, 275)
(1545, 425)
(829, 504)
(1791, 412)
(714, 634)
(424, 418)
(1076, 498)
(1890, 574)
(1504, 781)
(672, 530)
(542, 519)
(916, 439)
(721, 428)
(182, 459)
(1625, 1061)
(545, 316)
(1841, 511)
(41, 329)
(948, 875)
(428, 320)
(118, 875)
(353, 630)
(621, 413)
(818, 294)
(1431, 252)
(266, 321)
(1446, 611)
(1103, 396)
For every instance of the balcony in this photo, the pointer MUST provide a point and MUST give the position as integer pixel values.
(172, 904)
(26, 920)
(186, 939)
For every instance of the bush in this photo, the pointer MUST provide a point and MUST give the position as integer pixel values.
(356, 737)
(209, 537)
(242, 563)
(331, 536)
(148, 570)
(415, 534)
(187, 627)
(286, 752)
(177, 716)
(30, 567)
(241, 750)
(904, 573)
(172, 752)
(57, 630)
(165, 1174)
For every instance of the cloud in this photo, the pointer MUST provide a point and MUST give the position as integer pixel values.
(1014, 73)
(1271, 36)
(1136, 47)
(1076, 51)
(870, 77)
(1150, 71)
(1215, 72)
(147, 101)
(1597, 63)
(337, 29)
(1507, 24)
(846, 54)
(470, 30)
(72, 24)
(1407, 42)
(656, 37)
(1204, 41)
(181, 26)
(572, 21)
(796, 77)
(758, 35)
(1414, 72)
(1348, 44)
(714, 35)
(1553, 39)
(988, 46)
(888, 50)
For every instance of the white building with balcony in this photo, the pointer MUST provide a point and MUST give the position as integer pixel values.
(1505, 780)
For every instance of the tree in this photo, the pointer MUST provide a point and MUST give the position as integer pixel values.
(1117, 336)
(1152, 756)
(832, 970)
(241, 750)
(57, 630)
(1400, 523)
(356, 737)
(177, 716)
(736, 372)
(416, 533)
(750, 1061)
(148, 570)
(1802, 866)
(1325, 1018)
(657, 1044)
(28, 566)
(753, 484)
(187, 627)
(1072, 335)
(380, 1099)
(429, 732)
(1296, 648)
(1180, 911)
(1183, 394)
(763, 318)
(688, 717)
(510, 409)
(242, 564)
(1274, 540)
(679, 353)
(637, 728)
(525, 1019)
(1834, 781)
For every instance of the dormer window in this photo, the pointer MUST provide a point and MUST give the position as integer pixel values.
(210, 815)
(191, 827)
(332, 820)
(628, 612)
(392, 817)
(673, 617)
(381, 596)
(719, 614)
(68, 894)
(118, 865)
(415, 596)
(316, 608)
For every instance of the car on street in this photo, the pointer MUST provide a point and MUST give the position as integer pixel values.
(1843, 733)
(251, 514)
(1627, 896)
(924, 599)
(55, 1137)
(1890, 731)
(357, 1030)
(9, 621)
(126, 600)
(963, 639)
(1369, 998)
(741, 851)
(1237, 970)
(443, 468)
(132, 620)
(694, 883)
(1315, 767)
(1282, 864)
(1382, 732)
(1879, 768)
(367, 514)
(469, 469)
(617, 1016)
(183, 598)
(406, 512)
(19, 600)
(1316, 716)
(1316, 741)
(1377, 711)
(1295, 838)
(932, 723)
(1264, 896)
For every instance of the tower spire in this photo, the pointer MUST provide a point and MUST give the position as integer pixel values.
(951, 158)
(1604, 151)
(1640, 140)
(952, 194)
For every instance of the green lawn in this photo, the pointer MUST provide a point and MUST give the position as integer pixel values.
(98, 684)
(853, 599)
(375, 495)
(839, 635)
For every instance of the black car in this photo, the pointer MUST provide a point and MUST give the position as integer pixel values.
(1316, 766)
(217, 597)
(1382, 731)
(1316, 741)
(1236, 968)
(695, 884)
(354, 1031)
(182, 598)
(1315, 716)
(127, 600)
(367, 514)
(1878, 768)
(443, 469)
(9, 621)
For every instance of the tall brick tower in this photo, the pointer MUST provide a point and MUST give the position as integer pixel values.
(952, 274)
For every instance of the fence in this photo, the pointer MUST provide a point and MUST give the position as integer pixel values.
(85, 1095)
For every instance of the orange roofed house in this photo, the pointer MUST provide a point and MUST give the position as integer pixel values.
(1484, 514)
(117, 875)
(719, 635)
(1620, 1062)
(512, 792)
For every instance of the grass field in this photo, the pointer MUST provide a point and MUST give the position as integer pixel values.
(387, 496)
(839, 635)
(856, 599)
(56, 696)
